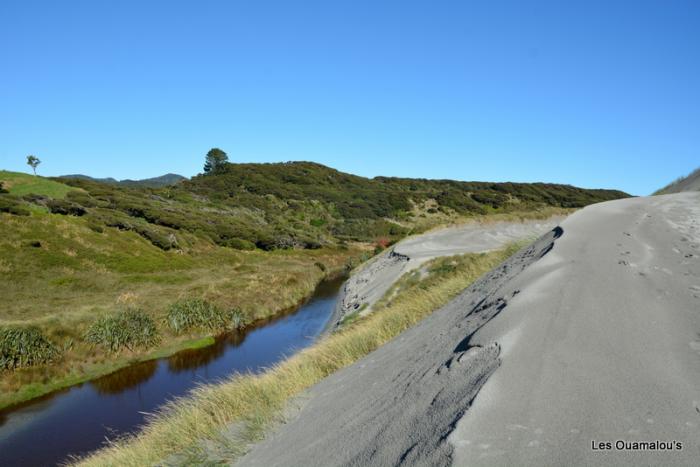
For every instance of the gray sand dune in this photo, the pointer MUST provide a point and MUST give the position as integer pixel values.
(690, 182)
(367, 285)
(591, 334)
(603, 344)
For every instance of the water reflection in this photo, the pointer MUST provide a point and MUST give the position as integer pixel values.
(188, 360)
(127, 378)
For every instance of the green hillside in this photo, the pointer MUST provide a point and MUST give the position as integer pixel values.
(356, 197)
(20, 184)
(305, 205)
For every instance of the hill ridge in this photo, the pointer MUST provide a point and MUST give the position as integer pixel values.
(152, 182)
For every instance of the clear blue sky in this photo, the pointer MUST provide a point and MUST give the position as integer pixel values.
(591, 93)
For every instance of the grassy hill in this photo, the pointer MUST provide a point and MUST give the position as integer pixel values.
(95, 275)
(306, 205)
(356, 197)
(20, 184)
(690, 182)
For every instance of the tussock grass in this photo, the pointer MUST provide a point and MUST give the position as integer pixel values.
(251, 403)
(131, 329)
(24, 347)
(195, 313)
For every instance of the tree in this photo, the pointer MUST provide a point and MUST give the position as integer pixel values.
(33, 162)
(215, 160)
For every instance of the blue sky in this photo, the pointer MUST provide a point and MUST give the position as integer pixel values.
(591, 93)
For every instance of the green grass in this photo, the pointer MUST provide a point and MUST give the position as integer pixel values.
(20, 184)
(254, 402)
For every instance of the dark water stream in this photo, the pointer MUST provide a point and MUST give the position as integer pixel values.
(77, 420)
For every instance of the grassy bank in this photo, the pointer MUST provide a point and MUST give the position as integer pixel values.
(190, 429)
(423, 221)
(76, 276)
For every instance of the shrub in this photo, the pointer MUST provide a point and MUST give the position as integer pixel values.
(157, 236)
(276, 242)
(197, 313)
(132, 328)
(239, 244)
(36, 199)
(82, 198)
(66, 208)
(12, 205)
(112, 219)
(2, 188)
(160, 239)
(311, 244)
(23, 347)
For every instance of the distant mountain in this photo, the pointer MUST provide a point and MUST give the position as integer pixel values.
(155, 182)
(93, 179)
(690, 182)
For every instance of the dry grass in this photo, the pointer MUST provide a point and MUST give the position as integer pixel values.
(425, 222)
(251, 403)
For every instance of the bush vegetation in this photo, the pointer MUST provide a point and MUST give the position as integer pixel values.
(195, 313)
(284, 206)
(130, 329)
(25, 346)
(13, 205)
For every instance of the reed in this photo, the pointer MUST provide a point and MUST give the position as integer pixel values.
(130, 329)
(195, 313)
(25, 346)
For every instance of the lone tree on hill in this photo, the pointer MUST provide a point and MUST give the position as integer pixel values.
(215, 160)
(33, 162)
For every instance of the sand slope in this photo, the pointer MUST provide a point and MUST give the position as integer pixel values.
(590, 334)
(690, 182)
(366, 286)
(603, 344)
